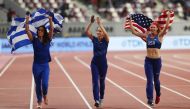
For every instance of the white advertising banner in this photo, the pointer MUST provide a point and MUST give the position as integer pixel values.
(116, 44)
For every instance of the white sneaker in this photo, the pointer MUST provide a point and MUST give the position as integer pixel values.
(101, 102)
(97, 103)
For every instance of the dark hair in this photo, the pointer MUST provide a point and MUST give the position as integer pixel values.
(46, 38)
(27, 13)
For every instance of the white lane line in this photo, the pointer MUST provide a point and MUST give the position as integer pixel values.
(73, 83)
(115, 84)
(129, 72)
(32, 93)
(179, 68)
(169, 65)
(140, 65)
(181, 57)
(181, 62)
(7, 66)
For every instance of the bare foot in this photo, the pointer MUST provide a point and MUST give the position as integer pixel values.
(39, 105)
(45, 100)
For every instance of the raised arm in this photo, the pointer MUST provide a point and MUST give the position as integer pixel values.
(141, 35)
(102, 28)
(87, 31)
(27, 29)
(162, 32)
(50, 34)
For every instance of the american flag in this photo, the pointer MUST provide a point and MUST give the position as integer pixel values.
(163, 18)
(141, 23)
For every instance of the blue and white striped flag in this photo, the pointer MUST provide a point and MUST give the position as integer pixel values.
(17, 36)
(40, 18)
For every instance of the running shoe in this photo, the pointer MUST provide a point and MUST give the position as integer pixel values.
(157, 99)
(97, 103)
(150, 103)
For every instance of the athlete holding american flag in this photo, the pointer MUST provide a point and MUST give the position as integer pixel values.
(152, 33)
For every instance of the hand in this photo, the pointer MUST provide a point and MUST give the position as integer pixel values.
(27, 19)
(169, 13)
(128, 16)
(92, 19)
(50, 18)
(98, 20)
(130, 20)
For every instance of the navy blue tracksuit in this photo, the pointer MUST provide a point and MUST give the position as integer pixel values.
(152, 72)
(99, 67)
(41, 67)
(152, 69)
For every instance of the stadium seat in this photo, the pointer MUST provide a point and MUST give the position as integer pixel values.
(107, 10)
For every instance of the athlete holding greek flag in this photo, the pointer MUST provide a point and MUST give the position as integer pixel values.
(41, 70)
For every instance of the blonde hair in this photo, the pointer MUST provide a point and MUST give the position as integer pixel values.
(157, 25)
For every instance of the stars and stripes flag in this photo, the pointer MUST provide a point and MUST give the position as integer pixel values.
(141, 23)
(163, 18)
(16, 34)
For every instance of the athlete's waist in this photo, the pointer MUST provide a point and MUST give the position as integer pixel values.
(99, 59)
(153, 53)
(41, 60)
(152, 58)
(99, 56)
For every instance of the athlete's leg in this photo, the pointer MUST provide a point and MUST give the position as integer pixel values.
(103, 72)
(45, 81)
(149, 75)
(37, 72)
(156, 69)
(95, 78)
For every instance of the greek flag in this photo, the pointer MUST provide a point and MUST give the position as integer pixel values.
(40, 17)
(17, 36)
